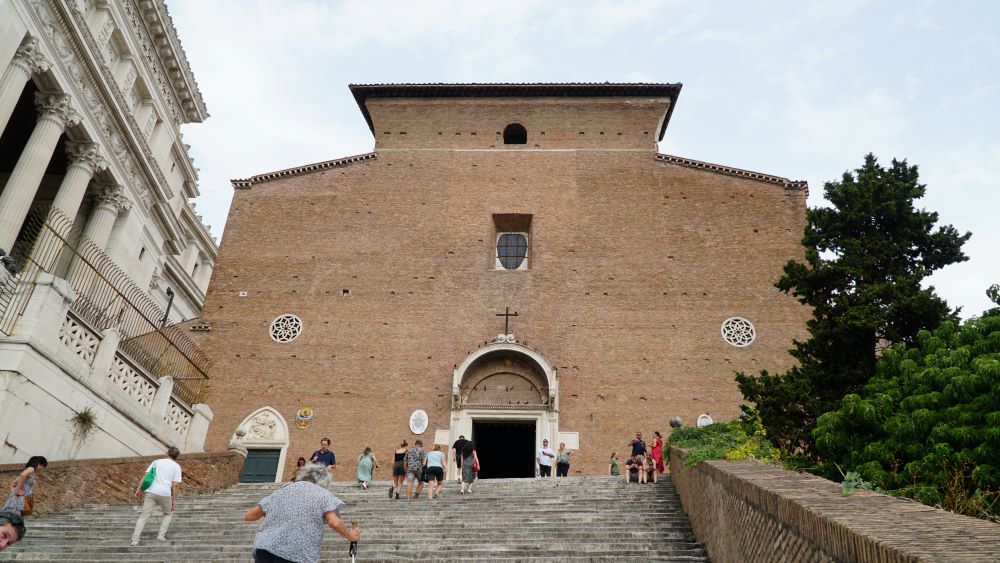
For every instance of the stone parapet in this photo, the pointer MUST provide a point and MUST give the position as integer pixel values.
(745, 511)
(69, 484)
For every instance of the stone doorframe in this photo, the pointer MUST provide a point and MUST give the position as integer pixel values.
(546, 417)
(265, 429)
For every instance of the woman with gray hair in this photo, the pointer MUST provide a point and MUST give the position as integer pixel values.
(294, 518)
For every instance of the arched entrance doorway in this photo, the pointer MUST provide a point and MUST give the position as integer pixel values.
(265, 436)
(505, 399)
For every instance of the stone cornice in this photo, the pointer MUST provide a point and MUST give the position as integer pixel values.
(189, 216)
(738, 172)
(246, 184)
(163, 51)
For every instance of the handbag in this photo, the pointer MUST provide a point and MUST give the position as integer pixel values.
(29, 505)
(475, 464)
(147, 481)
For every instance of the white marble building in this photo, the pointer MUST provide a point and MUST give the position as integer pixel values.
(92, 97)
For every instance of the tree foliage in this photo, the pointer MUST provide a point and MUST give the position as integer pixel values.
(865, 259)
(927, 426)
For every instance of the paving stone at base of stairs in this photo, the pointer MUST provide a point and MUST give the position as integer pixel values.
(556, 519)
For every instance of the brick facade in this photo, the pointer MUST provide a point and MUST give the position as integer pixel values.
(745, 512)
(635, 261)
(68, 484)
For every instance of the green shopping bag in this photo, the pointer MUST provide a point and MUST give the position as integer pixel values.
(147, 481)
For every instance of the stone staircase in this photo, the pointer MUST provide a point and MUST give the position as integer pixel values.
(568, 519)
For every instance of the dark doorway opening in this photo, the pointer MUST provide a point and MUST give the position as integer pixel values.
(506, 448)
(261, 466)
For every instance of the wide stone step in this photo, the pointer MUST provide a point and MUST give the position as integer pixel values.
(573, 519)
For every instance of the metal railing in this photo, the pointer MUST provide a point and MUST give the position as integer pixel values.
(106, 297)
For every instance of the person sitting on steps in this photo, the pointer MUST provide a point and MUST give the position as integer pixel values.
(633, 470)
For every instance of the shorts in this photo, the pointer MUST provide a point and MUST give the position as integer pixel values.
(397, 469)
(434, 474)
(562, 469)
(412, 476)
(544, 470)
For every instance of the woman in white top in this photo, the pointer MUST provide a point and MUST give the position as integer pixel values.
(435, 471)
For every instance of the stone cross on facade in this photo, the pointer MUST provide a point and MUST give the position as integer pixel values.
(506, 321)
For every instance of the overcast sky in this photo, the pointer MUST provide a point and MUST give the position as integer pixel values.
(796, 89)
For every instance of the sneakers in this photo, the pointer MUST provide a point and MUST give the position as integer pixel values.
(135, 542)
(364, 485)
(161, 538)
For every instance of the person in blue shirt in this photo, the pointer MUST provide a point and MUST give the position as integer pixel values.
(324, 456)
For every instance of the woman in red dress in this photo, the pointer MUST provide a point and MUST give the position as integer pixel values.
(658, 452)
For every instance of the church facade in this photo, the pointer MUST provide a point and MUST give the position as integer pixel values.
(512, 263)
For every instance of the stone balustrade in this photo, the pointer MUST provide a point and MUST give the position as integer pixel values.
(109, 369)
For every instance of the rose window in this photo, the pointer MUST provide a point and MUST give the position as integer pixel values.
(285, 328)
(738, 331)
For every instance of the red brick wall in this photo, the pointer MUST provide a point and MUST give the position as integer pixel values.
(744, 511)
(583, 123)
(635, 264)
(67, 484)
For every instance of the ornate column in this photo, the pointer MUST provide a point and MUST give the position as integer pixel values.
(28, 61)
(55, 114)
(110, 204)
(84, 161)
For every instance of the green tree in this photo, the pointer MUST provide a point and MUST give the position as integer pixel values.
(865, 259)
(927, 426)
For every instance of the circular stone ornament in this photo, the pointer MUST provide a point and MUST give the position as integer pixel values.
(285, 328)
(418, 422)
(739, 332)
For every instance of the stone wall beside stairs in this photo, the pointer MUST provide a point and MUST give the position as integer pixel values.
(745, 511)
(68, 484)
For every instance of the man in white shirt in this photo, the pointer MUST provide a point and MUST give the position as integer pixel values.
(161, 492)
(544, 457)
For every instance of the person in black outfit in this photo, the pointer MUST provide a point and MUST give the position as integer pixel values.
(398, 470)
(457, 446)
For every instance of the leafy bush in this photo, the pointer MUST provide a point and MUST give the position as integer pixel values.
(927, 426)
(743, 438)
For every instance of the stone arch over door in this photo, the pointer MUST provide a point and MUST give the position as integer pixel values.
(507, 383)
(265, 429)
(502, 372)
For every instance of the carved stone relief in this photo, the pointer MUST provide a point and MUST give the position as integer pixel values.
(262, 426)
